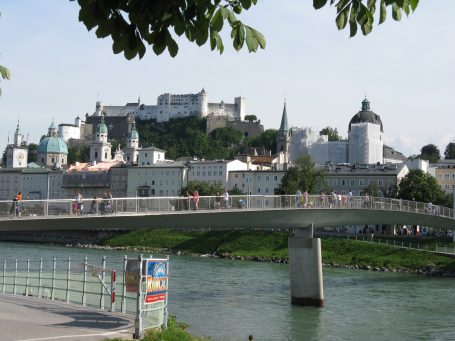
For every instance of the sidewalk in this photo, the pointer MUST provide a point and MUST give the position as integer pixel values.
(31, 319)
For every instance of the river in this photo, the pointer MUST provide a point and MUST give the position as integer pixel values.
(228, 300)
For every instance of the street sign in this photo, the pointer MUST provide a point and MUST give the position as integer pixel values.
(156, 280)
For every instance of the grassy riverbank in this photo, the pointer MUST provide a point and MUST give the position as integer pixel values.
(272, 246)
(175, 331)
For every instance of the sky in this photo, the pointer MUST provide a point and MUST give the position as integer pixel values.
(406, 69)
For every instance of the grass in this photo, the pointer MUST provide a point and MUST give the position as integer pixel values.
(271, 245)
(175, 331)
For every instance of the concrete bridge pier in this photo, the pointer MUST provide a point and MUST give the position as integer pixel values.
(305, 263)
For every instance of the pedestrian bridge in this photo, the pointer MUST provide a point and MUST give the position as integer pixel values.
(254, 211)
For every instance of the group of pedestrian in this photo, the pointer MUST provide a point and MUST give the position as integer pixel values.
(331, 200)
(101, 205)
(191, 200)
(16, 207)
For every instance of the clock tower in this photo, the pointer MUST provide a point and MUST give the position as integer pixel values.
(17, 152)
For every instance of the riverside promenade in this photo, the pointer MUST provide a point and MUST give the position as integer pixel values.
(30, 319)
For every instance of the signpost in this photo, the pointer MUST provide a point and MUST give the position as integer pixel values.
(148, 277)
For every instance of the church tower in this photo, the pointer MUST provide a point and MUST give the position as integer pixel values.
(284, 140)
(132, 145)
(100, 148)
(16, 153)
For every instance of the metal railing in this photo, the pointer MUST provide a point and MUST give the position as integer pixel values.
(87, 282)
(34, 209)
(402, 243)
(90, 283)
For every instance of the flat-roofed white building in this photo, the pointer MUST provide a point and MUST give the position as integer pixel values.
(157, 180)
(256, 182)
(214, 171)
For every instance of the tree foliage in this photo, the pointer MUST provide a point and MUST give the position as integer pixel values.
(331, 132)
(32, 153)
(304, 176)
(250, 118)
(78, 154)
(187, 137)
(135, 24)
(266, 140)
(4, 72)
(361, 13)
(449, 153)
(419, 186)
(203, 188)
(430, 152)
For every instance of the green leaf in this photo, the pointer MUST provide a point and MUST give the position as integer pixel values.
(413, 4)
(217, 20)
(317, 4)
(5, 72)
(171, 46)
(396, 12)
(342, 18)
(382, 12)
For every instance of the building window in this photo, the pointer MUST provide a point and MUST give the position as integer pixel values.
(447, 176)
(352, 182)
(380, 182)
(439, 176)
(96, 155)
(145, 154)
(361, 182)
(335, 182)
(259, 190)
(343, 182)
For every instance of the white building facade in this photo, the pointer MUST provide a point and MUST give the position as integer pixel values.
(158, 180)
(214, 171)
(255, 182)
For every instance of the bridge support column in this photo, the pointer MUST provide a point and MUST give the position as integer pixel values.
(305, 264)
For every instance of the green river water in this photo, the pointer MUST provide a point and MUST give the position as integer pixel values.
(228, 300)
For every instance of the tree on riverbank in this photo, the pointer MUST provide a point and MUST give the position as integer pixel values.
(419, 186)
(304, 176)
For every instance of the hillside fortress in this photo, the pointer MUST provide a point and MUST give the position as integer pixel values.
(176, 106)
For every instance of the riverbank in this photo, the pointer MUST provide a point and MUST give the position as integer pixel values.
(271, 246)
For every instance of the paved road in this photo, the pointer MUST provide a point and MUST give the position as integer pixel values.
(30, 319)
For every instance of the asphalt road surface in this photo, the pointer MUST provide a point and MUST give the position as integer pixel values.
(31, 319)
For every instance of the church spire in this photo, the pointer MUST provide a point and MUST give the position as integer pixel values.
(284, 119)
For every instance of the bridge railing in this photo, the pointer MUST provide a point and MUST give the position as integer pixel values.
(149, 205)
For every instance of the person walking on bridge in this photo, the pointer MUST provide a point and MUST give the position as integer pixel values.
(196, 200)
(298, 198)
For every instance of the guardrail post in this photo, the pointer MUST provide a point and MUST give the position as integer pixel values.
(27, 276)
(167, 295)
(123, 304)
(113, 281)
(84, 284)
(40, 273)
(54, 266)
(14, 280)
(68, 279)
(103, 264)
(138, 319)
(4, 273)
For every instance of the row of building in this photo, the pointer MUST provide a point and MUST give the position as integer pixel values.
(351, 165)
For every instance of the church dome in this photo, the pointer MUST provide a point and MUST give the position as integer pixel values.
(101, 127)
(52, 144)
(366, 116)
(133, 134)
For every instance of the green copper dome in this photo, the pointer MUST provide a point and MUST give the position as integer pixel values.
(133, 134)
(101, 127)
(54, 145)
